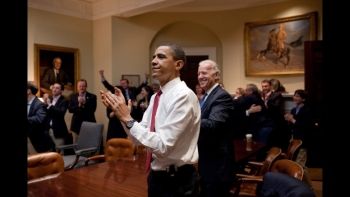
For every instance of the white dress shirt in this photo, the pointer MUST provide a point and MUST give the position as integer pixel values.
(177, 125)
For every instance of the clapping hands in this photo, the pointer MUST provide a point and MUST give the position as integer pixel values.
(116, 102)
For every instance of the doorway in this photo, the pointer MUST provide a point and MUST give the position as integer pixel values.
(189, 72)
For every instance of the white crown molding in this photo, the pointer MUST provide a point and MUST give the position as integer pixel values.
(95, 9)
(77, 8)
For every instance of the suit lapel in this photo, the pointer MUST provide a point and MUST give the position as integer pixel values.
(31, 110)
(209, 99)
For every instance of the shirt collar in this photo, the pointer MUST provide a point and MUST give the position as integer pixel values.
(56, 97)
(212, 88)
(31, 100)
(168, 86)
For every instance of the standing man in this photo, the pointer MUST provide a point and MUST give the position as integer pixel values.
(115, 128)
(169, 127)
(215, 143)
(36, 115)
(83, 106)
(57, 107)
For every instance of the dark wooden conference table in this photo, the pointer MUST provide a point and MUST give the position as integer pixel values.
(241, 154)
(122, 178)
(119, 178)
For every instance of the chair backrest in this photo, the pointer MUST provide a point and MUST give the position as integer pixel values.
(294, 145)
(43, 164)
(118, 148)
(271, 156)
(90, 135)
(288, 167)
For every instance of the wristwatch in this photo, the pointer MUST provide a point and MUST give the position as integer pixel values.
(130, 123)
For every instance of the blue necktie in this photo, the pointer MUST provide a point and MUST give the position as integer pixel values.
(201, 102)
(127, 94)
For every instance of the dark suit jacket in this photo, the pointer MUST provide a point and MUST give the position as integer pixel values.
(303, 123)
(279, 136)
(56, 114)
(37, 134)
(215, 143)
(131, 90)
(276, 184)
(83, 113)
(49, 78)
(115, 128)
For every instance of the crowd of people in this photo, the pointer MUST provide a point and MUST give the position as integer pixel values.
(178, 126)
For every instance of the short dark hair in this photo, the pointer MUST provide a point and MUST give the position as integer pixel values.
(178, 52)
(61, 84)
(32, 88)
(124, 79)
(301, 93)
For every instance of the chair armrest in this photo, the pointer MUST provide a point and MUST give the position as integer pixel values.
(95, 158)
(86, 151)
(255, 163)
(256, 179)
(63, 147)
(242, 176)
(253, 167)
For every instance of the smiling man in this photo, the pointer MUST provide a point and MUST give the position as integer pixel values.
(216, 156)
(169, 127)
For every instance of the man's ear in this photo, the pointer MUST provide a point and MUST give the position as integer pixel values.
(179, 64)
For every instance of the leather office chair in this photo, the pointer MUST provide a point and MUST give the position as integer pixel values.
(288, 167)
(43, 164)
(249, 184)
(293, 148)
(255, 170)
(88, 144)
(115, 148)
(260, 168)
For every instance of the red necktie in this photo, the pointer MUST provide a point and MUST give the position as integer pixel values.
(152, 128)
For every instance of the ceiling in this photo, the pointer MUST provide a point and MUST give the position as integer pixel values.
(94, 9)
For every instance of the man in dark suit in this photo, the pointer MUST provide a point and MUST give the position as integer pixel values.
(83, 106)
(215, 146)
(57, 107)
(39, 138)
(54, 75)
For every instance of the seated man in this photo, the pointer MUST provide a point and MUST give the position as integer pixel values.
(276, 184)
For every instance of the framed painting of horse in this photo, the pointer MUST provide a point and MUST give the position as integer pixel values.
(276, 47)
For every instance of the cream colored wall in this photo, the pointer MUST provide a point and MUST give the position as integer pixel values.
(59, 30)
(102, 59)
(133, 50)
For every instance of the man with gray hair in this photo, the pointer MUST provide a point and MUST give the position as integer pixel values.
(215, 143)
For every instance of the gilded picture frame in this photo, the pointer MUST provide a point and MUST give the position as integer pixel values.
(44, 55)
(276, 47)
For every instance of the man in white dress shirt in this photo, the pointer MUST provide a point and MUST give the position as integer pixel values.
(176, 127)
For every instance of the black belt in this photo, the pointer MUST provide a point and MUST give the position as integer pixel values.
(172, 170)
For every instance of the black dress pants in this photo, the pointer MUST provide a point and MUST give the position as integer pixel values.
(182, 181)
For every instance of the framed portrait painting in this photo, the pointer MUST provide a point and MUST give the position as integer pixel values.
(276, 47)
(47, 58)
